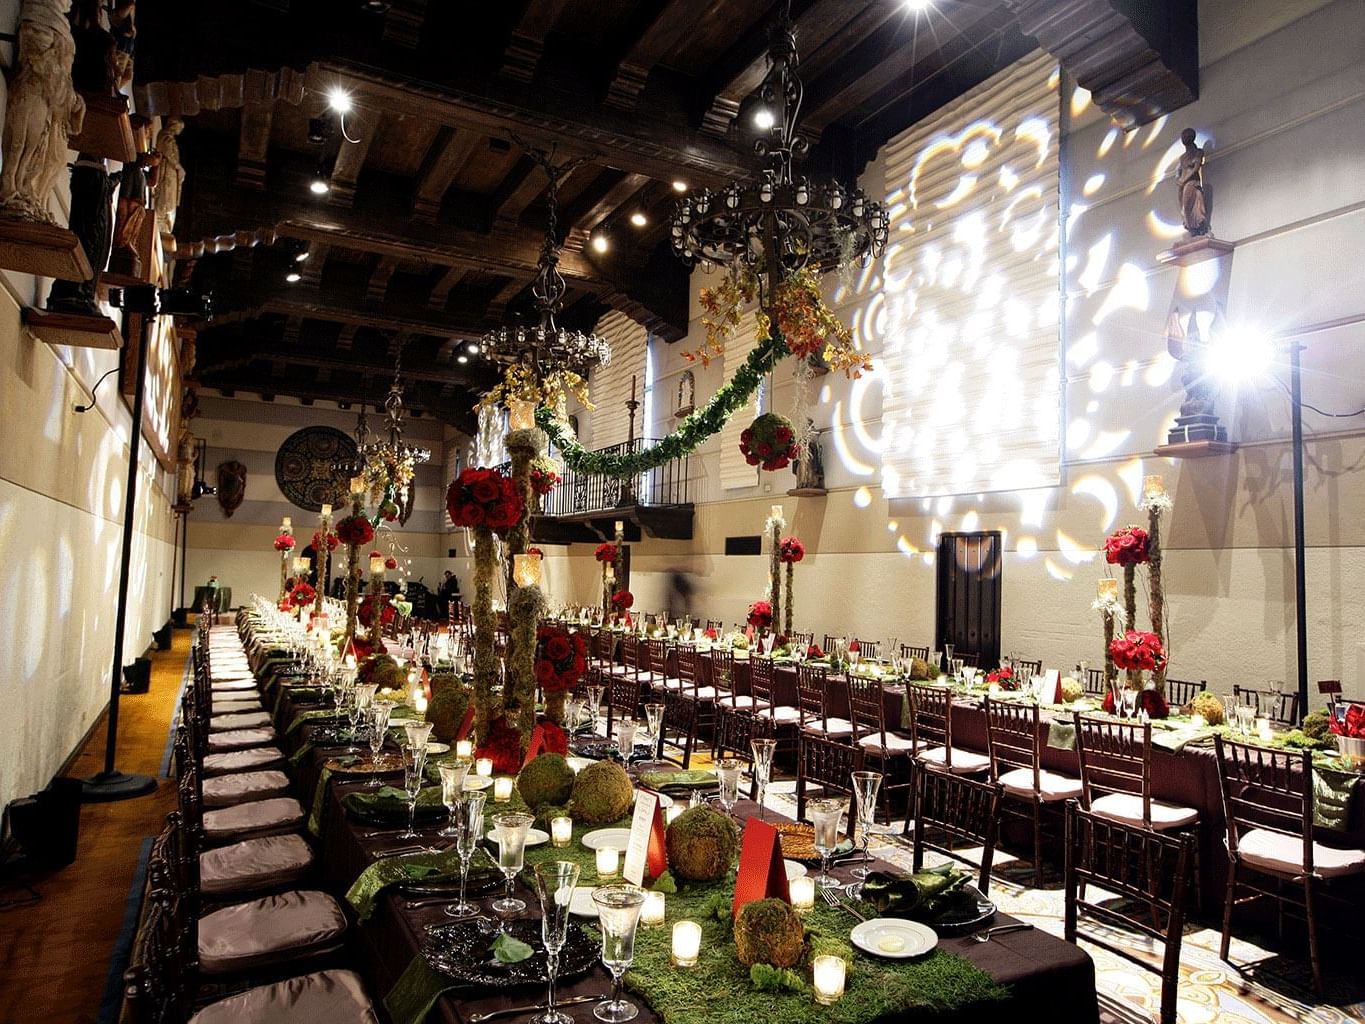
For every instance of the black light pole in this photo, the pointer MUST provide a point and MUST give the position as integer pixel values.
(1300, 574)
(112, 784)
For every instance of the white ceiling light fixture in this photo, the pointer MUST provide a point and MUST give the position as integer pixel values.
(319, 186)
(600, 243)
(639, 219)
(679, 185)
(293, 277)
(339, 100)
(764, 119)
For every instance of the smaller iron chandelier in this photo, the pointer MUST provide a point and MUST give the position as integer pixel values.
(394, 451)
(780, 223)
(345, 467)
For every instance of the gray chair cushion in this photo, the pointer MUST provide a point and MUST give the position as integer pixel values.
(240, 739)
(253, 864)
(243, 761)
(229, 790)
(223, 722)
(325, 997)
(275, 816)
(271, 930)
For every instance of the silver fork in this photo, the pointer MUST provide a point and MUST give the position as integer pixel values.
(829, 892)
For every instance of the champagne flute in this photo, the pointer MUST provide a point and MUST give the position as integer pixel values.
(727, 771)
(555, 883)
(618, 915)
(825, 815)
(654, 719)
(468, 813)
(510, 829)
(452, 787)
(378, 714)
(763, 767)
(362, 695)
(866, 786)
(414, 771)
(594, 707)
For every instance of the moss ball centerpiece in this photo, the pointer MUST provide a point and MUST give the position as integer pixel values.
(449, 702)
(701, 845)
(548, 779)
(602, 793)
(1210, 705)
(769, 932)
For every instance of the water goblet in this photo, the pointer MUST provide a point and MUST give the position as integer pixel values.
(1130, 697)
(618, 915)
(555, 883)
(625, 737)
(763, 767)
(727, 770)
(866, 786)
(468, 815)
(378, 715)
(452, 788)
(510, 831)
(825, 815)
(414, 772)
(361, 697)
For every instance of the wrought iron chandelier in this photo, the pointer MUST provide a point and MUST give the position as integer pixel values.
(346, 467)
(780, 223)
(546, 347)
(393, 450)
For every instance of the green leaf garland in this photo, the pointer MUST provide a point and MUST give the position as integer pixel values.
(696, 428)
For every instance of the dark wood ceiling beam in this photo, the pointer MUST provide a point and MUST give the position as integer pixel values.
(664, 32)
(370, 390)
(311, 271)
(350, 158)
(519, 189)
(253, 144)
(440, 293)
(378, 286)
(335, 307)
(624, 191)
(403, 22)
(346, 338)
(218, 92)
(522, 56)
(451, 150)
(497, 305)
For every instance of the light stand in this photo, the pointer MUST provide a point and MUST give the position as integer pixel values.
(1300, 571)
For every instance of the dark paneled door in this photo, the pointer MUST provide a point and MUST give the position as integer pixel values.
(969, 594)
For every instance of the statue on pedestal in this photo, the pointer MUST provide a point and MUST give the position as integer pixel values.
(170, 174)
(810, 465)
(92, 188)
(1189, 180)
(134, 199)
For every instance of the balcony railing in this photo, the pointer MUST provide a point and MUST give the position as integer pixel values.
(580, 493)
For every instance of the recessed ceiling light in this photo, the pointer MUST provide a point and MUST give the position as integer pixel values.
(473, 348)
(600, 243)
(639, 219)
(319, 187)
(301, 256)
(339, 100)
(917, 5)
(293, 277)
(461, 359)
(763, 118)
(679, 185)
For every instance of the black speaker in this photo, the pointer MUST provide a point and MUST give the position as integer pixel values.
(137, 677)
(47, 826)
(162, 638)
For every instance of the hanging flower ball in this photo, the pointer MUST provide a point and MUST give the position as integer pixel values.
(623, 600)
(605, 552)
(1128, 546)
(561, 658)
(1138, 650)
(284, 542)
(356, 531)
(388, 510)
(303, 594)
(390, 563)
(544, 475)
(791, 550)
(484, 497)
(769, 442)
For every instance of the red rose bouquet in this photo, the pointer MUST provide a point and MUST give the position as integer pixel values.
(769, 442)
(502, 746)
(1128, 546)
(791, 550)
(1352, 726)
(556, 740)
(1004, 678)
(330, 541)
(622, 600)
(484, 497)
(761, 614)
(303, 593)
(561, 658)
(366, 612)
(605, 552)
(355, 531)
(1138, 650)
(284, 542)
(813, 651)
(544, 477)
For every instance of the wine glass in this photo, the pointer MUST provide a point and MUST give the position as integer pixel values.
(468, 820)
(727, 771)
(594, 707)
(625, 737)
(414, 771)
(825, 815)
(361, 696)
(555, 881)
(618, 915)
(866, 786)
(378, 714)
(452, 787)
(763, 768)
(510, 831)
(654, 720)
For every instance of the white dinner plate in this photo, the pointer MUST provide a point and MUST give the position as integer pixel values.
(894, 938)
(534, 836)
(582, 905)
(472, 783)
(436, 747)
(794, 869)
(578, 763)
(617, 837)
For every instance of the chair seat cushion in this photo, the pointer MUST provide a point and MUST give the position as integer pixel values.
(236, 702)
(233, 685)
(706, 693)
(266, 862)
(964, 762)
(1127, 808)
(228, 790)
(240, 739)
(258, 817)
(230, 721)
(1282, 854)
(667, 682)
(783, 715)
(270, 930)
(829, 727)
(243, 760)
(325, 997)
(893, 742)
(1051, 786)
(743, 700)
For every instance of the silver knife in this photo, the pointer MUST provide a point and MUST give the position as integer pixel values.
(475, 1018)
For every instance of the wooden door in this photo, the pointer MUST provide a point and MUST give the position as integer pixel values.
(968, 616)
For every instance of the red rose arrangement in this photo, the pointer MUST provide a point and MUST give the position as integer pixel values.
(502, 746)
(791, 550)
(366, 611)
(813, 651)
(561, 658)
(390, 563)
(389, 511)
(605, 552)
(303, 593)
(711, 633)
(535, 552)
(761, 614)
(623, 600)
(330, 541)
(1003, 677)
(1138, 650)
(355, 531)
(1352, 726)
(484, 497)
(769, 442)
(544, 479)
(854, 647)
(1128, 546)
(1148, 700)
(284, 542)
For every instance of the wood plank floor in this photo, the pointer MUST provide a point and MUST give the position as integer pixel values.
(56, 952)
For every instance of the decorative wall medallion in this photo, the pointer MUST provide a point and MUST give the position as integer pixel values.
(687, 394)
(231, 486)
(303, 467)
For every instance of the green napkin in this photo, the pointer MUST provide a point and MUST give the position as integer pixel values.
(1061, 735)
(416, 992)
(304, 750)
(390, 802)
(319, 802)
(691, 778)
(309, 716)
(364, 891)
(1333, 789)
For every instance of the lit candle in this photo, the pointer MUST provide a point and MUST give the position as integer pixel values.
(483, 767)
(521, 414)
(652, 913)
(419, 701)
(349, 662)
(1263, 731)
(686, 943)
(620, 527)
(376, 565)
(561, 831)
(326, 511)
(672, 813)
(286, 524)
(1153, 487)
(464, 749)
(608, 861)
(502, 788)
(1197, 722)
(802, 893)
(777, 512)
(1108, 589)
(610, 574)
(828, 978)
(301, 565)
(357, 485)
(526, 570)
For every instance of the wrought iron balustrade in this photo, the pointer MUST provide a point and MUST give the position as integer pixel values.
(579, 493)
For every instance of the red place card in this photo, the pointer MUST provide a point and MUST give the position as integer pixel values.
(761, 871)
(536, 746)
(468, 723)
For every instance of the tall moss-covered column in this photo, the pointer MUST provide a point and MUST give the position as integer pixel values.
(525, 603)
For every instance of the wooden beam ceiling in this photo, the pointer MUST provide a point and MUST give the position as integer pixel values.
(527, 43)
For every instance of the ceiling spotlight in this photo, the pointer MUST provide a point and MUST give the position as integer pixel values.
(600, 243)
(917, 5)
(301, 256)
(764, 119)
(293, 277)
(639, 219)
(473, 348)
(679, 185)
(462, 358)
(319, 186)
(339, 100)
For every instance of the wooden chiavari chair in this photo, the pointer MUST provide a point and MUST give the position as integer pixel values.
(621, 692)
(799, 639)
(1093, 683)
(1180, 692)
(679, 726)
(883, 750)
(867, 648)
(909, 651)
(969, 658)
(812, 700)
(931, 732)
(1281, 708)
(960, 809)
(828, 763)
(734, 736)
(1026, 668)
(764, 696)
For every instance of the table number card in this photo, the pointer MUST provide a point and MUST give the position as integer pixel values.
(1047, 687)
(761, 871)
(536, 746)
(646, 855)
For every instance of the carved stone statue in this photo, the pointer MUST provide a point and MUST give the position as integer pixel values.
(170, 175)
(184, 466)
(121, 24)
(92, 188)
(1194, 200)
(43, 109)
(810, 468)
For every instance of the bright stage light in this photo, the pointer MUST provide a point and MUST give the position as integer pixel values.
(339, 100)
(1239, 352)
(763, 118)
